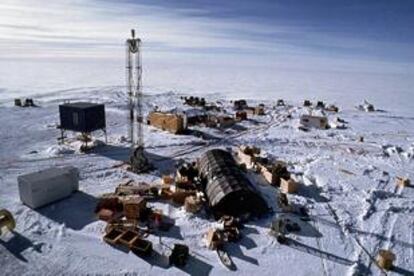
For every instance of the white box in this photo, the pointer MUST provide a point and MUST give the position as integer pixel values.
(43, 187)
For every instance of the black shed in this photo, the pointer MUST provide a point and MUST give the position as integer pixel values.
(82, 116)
(228, 190)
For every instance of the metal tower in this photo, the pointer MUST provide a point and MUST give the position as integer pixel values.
(138, 161)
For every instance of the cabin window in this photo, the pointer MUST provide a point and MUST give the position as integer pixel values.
(75, 118)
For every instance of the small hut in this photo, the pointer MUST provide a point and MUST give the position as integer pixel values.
(240, 104)
(307, 103)
(280, 102)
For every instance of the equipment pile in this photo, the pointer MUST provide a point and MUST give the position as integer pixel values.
(130, 220)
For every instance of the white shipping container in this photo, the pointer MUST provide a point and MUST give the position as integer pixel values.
(43, 187)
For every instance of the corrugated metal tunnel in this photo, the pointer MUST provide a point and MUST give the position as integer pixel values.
(228, 190)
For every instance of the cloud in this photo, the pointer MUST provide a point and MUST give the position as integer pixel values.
(73, 24)
(263, 33)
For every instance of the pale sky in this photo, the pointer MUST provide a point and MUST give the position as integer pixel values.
(367, 35)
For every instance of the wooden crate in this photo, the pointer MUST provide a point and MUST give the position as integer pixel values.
(167, 179)
(259, 110)
(106, 215)
(266, 173)
(180, 195)
(225, 122)
(214, 239)
(403, 181)
(274, 172)
(192, 204)
(309, 121)
(385, 259)
(128, 238)
(173, 123)
(109, 202)
(244, 158)
(131, 189)
(141, 247)
(113, 236)
(288, 186)
(134, 206)
(241, 115)
(165, 193)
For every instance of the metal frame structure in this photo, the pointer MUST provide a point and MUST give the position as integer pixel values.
(85, 138)
(139, 163)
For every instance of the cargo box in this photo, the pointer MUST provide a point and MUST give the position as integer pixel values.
(43, 187)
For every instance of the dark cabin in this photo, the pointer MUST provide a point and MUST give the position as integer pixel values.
(228, 190)
(82, 117)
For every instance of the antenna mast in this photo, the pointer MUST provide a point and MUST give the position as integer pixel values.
(138, 161)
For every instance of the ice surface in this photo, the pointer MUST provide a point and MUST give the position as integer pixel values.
(348, 186)
(386, 90)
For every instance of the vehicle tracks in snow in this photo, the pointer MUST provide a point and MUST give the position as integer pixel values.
(274, 121)
(321, 248)
(387, 225)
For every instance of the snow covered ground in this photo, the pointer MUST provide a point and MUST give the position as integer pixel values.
(348, 186)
